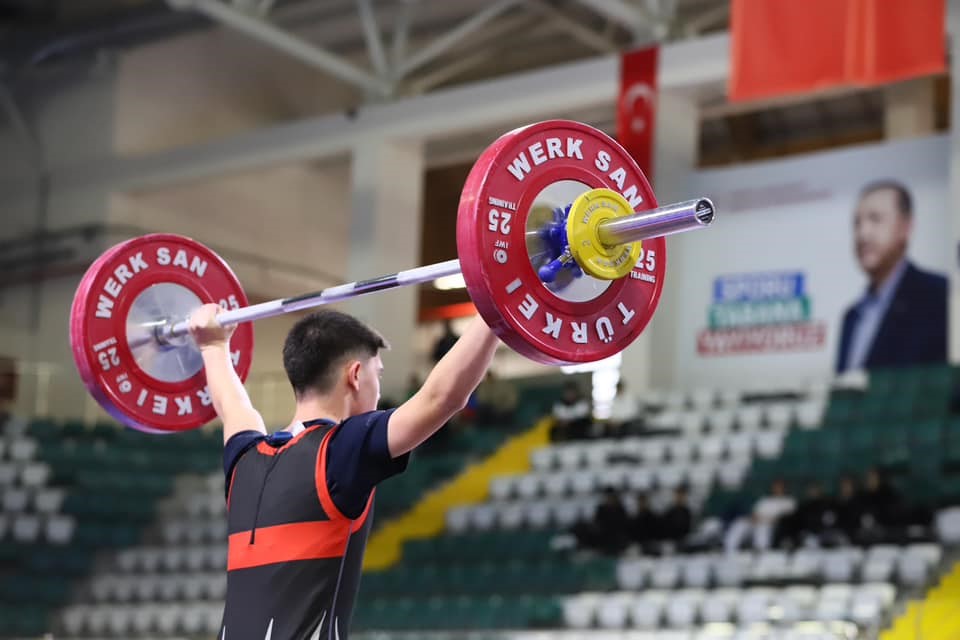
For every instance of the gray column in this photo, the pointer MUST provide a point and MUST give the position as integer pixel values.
(385, 210)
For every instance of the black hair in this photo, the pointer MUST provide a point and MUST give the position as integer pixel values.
(317, 343)
(901, 194)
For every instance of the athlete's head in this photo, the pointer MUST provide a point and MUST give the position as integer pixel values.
(329, 352)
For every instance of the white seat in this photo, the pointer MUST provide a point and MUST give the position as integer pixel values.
(730, 571)
(511, 515)
(739, 444)
(653, 451)
(613, 476)
(556, 484)
(172, 559)
(667, 419)
(682, 610)
(721, 420)
(805, 563)
(501, 487)
(697, 572)
(216, 586)
(579, 611)
(931, 552)
(173, 531)
(483, 517)
(711, 447)
(583, 482)
(838, 567)
(702, 475)
(749, 417)
(8, 474)
(570, 456)
(216, 556)
(193, 586)
(23, 449)
(692, 422)
(565, 513)
(215, 530)
(35, 474)
(97, 619)
(912, 570)
(59, 529)
(537, 514)
(101, 588)
(597, 453)
(193, 619)
(947, 524)
(800, 601)
(26, 528)
(665, 574)
(680, 450)
(15, 500)
(639, 479)
(809, 414)
(884, 592)
(146, 588)
(779, 415)
(646, 611)
(168, 588)
(631, 573)
(753, 606)
(769, 444)
(613, 611)
(213, 618)
(458, 519)
(119, 620)
(542, 459)
(670, 476)
(529, 485)
(150, 558)
(878, 568)
(49, 500)
(73, 619)
(732, 472)
(144, 618)
(770, 565)
(703, 399)
(718, 605)
(167, 618)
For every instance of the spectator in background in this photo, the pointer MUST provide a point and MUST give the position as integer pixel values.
(842, 517)
(624, 412)
(609, 532)
(762, 522)
(807, 522)
(496, 401)
(880, 508)
(572, 415)
(645, 523)
(901, 319)
(445, 342)
(676, 521)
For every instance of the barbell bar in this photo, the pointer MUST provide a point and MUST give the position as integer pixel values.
(670, 219)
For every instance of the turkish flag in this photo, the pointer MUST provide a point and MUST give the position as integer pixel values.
(636, 106)
(781, 47)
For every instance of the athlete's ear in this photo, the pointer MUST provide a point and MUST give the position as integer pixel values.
(353, 374)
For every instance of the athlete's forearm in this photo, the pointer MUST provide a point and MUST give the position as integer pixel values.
(230, 399)
(460, 371)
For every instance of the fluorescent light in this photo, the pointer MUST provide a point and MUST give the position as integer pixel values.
(446, 283)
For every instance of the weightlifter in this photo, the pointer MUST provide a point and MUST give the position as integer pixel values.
(300, 500)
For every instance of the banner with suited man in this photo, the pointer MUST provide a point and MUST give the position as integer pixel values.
(900, 318)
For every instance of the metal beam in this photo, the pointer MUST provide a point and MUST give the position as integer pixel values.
(401, 32)
(634, 18)
(371, 33)
(453, 37)
(685, 66)
(577, 30)
(284, 41)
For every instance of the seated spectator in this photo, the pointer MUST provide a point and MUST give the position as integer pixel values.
(880, 507)
(807, 523)
(762, 522)
(496, 401)
(841, 519)
(609, 532)
(572, 415)
(624, 412)
(676, 521)
(645, 523)
(445, 342)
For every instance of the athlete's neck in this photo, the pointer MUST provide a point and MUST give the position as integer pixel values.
(326, 407)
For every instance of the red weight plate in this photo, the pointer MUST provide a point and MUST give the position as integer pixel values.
(125, 292)
(500, 191)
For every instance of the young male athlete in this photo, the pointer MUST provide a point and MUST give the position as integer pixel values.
(300, 500)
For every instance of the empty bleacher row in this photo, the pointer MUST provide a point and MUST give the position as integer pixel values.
(865, 604)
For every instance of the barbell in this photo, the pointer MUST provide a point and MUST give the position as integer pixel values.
(560, 243)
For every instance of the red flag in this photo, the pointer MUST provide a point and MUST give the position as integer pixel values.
(636, 107)
(781, 47)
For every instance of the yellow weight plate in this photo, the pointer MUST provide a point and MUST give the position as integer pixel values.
(596, 259)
